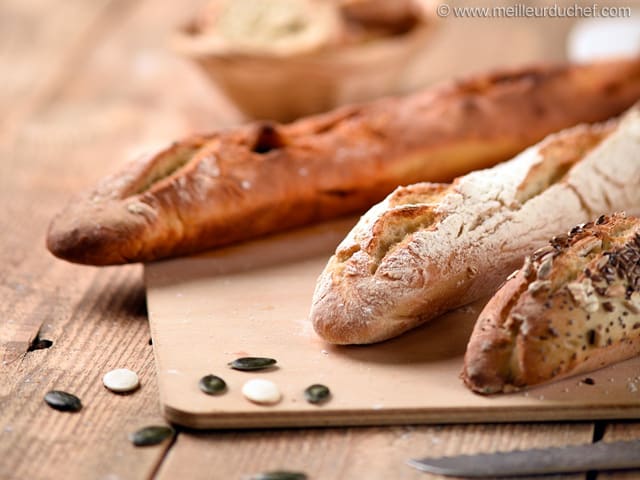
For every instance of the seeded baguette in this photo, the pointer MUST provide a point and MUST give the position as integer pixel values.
(572, 308)
(429, 248)
(237, 184)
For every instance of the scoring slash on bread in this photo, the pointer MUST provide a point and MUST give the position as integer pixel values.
(248, 181)
(429, 248)
(573, 307)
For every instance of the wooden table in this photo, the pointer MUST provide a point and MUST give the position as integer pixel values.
(84, 85)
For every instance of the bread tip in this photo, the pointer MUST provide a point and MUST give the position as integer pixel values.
(330, 329)
(335, 322)
(60, 241)
(483, 382)
(65, 244)
(73, 244)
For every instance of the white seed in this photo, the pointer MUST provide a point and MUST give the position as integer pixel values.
(635, 300)
(538, 285)
(616, 290)
(584, 295)
(602, 262)
(121, 380)
(263, 391)
(544, 269)
(585, 246)
(137, 207)
(527, 268)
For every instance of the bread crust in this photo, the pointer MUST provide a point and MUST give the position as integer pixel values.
(430, 248)
(574, 307)
(244, 182)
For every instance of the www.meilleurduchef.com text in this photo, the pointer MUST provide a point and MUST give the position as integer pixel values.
(520, 10)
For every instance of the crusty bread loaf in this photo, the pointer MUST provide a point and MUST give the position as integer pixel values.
(430, 248)
(244, 182)
(574, 307)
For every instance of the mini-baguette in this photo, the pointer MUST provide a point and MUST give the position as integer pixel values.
(429, 248)
(573, 307)
(244, 182)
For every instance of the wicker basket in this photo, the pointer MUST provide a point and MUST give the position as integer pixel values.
(284, 88)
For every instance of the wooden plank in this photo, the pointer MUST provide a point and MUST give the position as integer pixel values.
(135, 83)
(106, 329)
(73, 137)
(372, 453)
(38, 56)
(619, 431)
(60, 140)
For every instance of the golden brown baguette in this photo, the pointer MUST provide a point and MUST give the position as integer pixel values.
(237, 184)
(429, 248)
(573, 307)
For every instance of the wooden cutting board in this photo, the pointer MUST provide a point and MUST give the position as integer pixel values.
(253, 300)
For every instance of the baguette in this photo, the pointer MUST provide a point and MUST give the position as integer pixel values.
(574, 307)
(429, 248)
(233, 185)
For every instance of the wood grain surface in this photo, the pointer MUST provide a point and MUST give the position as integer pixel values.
(353, 453)
(85, 85)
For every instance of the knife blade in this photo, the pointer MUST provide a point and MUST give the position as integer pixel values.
(571, 459)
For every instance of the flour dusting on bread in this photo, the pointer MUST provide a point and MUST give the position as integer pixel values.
(405, 263)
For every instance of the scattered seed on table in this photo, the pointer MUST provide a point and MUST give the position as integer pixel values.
(152, 435)
(261, 391)
(212, 384)
(252, 363)
(278, 475)
(63, 401)
(40, 344)
(317, 393)
(121, 380)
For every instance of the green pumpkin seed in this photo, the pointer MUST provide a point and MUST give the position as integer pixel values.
(39, 344)
(252, 363)
(152, 435)
(278, 475)
(63, 401)
(212, 384)
(317, 393)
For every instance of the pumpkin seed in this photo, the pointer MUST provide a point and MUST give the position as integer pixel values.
(121, 380)
(317, 393)
(252, 363)
(39, 344)
(63, 401)
(261, 391)
(278, 475)
(151, 435)
(212, 384)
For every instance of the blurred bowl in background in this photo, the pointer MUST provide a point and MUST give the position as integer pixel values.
(282, 64)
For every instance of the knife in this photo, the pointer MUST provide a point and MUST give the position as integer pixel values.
(571, 459)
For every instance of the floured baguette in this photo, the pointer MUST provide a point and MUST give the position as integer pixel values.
(574, 307)
(430, 248)
(244, 182)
